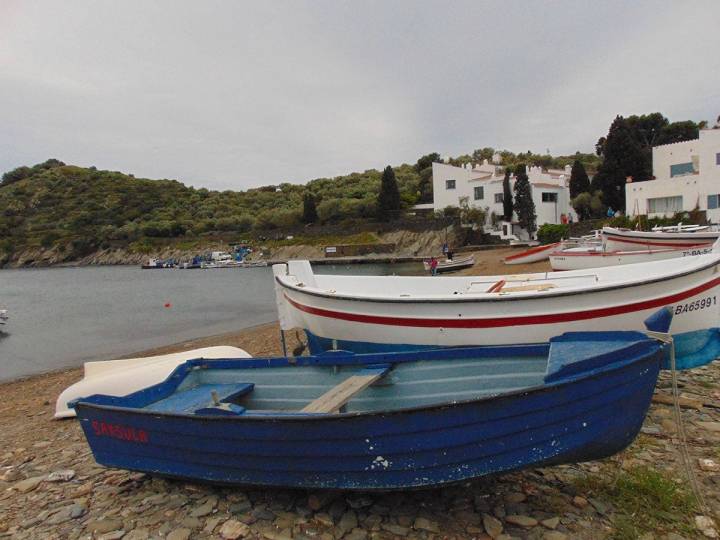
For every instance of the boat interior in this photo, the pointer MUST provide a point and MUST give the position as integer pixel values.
(341, 382)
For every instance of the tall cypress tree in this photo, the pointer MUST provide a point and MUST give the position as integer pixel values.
(309, 208)
(579, 181)
(623, 156)
(524, 205)
(389, 196)
(507, 196)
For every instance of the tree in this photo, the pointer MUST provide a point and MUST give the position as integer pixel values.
(623, 156)
(389, 196)
(524, 205)
(579, 181)
(507, 196)
(310, 214)
(589, 205)
(424, 169)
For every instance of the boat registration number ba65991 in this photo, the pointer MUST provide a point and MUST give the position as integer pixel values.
(694, 306)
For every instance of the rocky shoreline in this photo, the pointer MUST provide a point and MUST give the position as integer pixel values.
(50, 486)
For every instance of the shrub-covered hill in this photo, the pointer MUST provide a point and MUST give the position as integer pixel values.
(79, 210)
(74, 211)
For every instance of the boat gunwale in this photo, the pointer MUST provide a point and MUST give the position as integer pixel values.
(532, 251)
(516, 296)
(641, 352)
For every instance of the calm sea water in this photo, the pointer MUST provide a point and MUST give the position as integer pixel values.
(62, 317)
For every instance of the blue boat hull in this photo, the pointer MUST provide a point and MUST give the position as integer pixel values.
(692, 349)
(579, 415)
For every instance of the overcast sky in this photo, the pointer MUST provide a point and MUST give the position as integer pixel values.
(231, 95)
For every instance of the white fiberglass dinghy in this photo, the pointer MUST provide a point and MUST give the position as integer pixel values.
(122, 377)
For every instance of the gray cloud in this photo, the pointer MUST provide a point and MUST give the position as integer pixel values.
(230, 95)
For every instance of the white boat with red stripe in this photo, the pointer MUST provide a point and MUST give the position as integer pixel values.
(535, 254)
(386, 313)
(583, 258)
(628, 240)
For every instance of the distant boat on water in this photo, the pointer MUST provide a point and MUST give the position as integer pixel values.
(4, 316)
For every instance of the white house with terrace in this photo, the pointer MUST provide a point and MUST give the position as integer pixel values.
(686, 177)
(481, 186)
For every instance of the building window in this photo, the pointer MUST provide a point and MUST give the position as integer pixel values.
(713, 201)
(498, 197)
(548, 196)
(449, 184)
(717, 158)
(681, 169)
(665, 205)
(479, 192)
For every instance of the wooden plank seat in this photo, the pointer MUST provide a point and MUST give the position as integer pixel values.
(335, 398)
(200, 398)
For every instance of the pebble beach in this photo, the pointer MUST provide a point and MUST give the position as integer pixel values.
(51, 488)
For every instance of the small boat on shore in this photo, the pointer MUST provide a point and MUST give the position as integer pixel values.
(535, 254)
(385, 313)
(451, 265)
(628, 240)
(122, 377)
(382, 421)
(580, 258)
(4, 316)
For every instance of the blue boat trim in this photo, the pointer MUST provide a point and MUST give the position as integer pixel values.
(593, 393)
(692, 349)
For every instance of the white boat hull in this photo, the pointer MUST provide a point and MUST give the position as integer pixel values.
(457, 311)
(536, 254)
(449, 265)
(572, 259)
(122, 377)
(626, 240)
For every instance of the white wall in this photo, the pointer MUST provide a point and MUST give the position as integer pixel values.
(694, 188)
(491, 180)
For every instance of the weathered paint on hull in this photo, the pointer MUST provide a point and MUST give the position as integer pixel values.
(581, 417)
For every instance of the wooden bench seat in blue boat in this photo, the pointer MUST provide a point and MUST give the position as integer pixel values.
(200, 398)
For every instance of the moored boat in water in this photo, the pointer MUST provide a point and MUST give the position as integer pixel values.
(381, 313)
(382, 421)
(627, 240)
(4, 316)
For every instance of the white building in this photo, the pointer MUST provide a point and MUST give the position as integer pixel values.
(686, 177)
(481, 186)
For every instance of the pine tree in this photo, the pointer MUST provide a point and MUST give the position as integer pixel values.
(309, 208)
(389, 196)
(507, 196)
(524, 205)
(579, 181)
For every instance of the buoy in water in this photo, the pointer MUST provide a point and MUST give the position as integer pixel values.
(168, 305)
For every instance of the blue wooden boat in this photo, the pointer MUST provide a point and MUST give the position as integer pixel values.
(382, 421)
